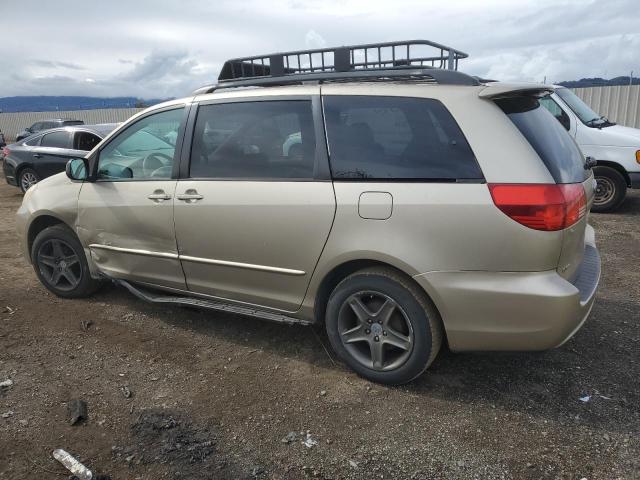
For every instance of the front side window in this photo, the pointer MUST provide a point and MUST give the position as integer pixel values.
(254, 140)
(555, 110)
(85, 141)
(396, 138)
(55, 139)
(144, 150)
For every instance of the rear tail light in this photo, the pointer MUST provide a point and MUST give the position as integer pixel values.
(638, 156)
(5, 152)
(541, 206)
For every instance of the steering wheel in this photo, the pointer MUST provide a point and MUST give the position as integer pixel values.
(162, 172)
(154, 162)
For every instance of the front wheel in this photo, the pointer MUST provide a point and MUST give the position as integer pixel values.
(60, 264)
(383, 326)
(611, 188)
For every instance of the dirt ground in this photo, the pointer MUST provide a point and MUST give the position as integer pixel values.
(215, 396)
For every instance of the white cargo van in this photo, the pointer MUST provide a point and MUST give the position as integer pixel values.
(615, 148)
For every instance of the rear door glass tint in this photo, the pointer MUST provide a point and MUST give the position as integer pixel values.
(401, 138)
(56, 139)
(548, 138)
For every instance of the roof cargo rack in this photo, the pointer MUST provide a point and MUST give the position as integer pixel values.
(407, 60)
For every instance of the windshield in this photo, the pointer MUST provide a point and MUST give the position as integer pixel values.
(581, 109)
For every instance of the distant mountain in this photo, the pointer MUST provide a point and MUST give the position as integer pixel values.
(53, 104)
(598, 82)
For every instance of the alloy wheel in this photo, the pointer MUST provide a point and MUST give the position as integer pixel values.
(59, 265)
(375, 330)
(28, 179)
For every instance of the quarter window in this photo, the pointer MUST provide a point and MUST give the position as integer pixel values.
(55, 139)
(254, 140)
(144, 150)
(555, 110)
(396, 138)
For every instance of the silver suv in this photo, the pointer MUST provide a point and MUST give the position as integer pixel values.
(399, 206)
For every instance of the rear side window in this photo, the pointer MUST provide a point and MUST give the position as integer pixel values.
(55, 139)
(254, 140)
(548, 138)
(73, 122)
(386, 138)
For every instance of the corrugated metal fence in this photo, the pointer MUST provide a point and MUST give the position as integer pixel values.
(13, 123)
(618, 104)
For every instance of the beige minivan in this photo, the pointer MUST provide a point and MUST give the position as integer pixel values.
(399, 204)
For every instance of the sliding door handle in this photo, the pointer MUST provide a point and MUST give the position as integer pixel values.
(190, 196)
(159, 196)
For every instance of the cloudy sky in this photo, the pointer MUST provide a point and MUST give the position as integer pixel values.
(159, 48)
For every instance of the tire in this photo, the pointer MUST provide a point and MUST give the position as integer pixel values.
(26, 178)
(58, 258)
(380, 310)
(610, 191)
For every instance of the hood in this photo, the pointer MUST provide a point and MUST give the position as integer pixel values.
(55, 181)
(615, 136)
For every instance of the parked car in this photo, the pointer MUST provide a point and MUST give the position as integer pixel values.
(47, 125)
(615, 148)
(45, 154)
(423, 207)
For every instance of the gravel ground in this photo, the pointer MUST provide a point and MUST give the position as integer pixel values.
(176, 393)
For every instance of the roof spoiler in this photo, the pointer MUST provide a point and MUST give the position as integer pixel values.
(503, 90)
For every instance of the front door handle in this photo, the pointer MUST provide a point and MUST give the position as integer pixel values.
(159, 196)
(190, 196)
(37, 155)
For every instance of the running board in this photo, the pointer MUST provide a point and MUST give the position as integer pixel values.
(209, 305)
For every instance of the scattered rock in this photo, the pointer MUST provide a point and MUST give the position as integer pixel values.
(585, 398)
(460, 463)
(85, 324)
(23, 422)
(6, 383)
(77, 411)
(7, 414)
(530, 465)
(256, 471)
(353, 464)
(323, 393)
(126, 391)
(309, 442)
(606, 437)
(291, 437)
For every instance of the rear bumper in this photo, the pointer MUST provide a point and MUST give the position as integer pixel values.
(634, 179)
(9, 173)
(515, 311)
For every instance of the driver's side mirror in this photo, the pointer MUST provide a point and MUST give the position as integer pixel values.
(77, 169)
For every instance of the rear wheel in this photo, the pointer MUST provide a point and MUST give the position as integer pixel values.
(383, 326)
(27, 178)
(611, 189)
(60, 264)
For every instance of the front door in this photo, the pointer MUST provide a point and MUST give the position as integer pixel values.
(255, 209)
(126, 215)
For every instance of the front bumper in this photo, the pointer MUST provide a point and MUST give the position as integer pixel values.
(515, 311)
(634, 179)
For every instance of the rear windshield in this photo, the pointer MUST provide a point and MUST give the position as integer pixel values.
(548, 138)
(73, 122)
